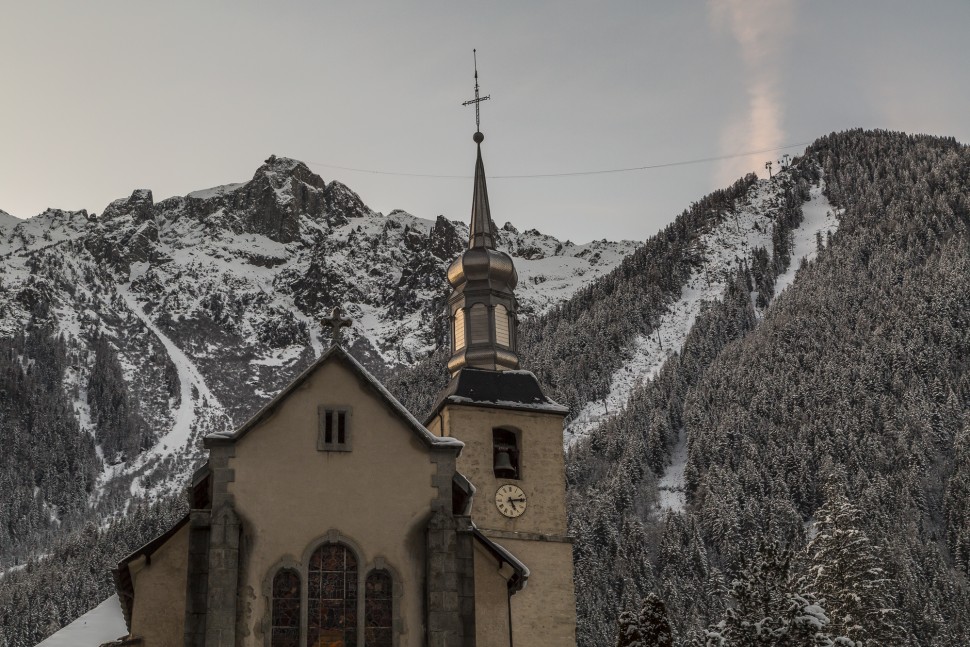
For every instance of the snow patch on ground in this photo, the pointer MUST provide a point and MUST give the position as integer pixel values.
(222, 189)
(103, 623)
(670, 487)
(280, 357)
(818, 217)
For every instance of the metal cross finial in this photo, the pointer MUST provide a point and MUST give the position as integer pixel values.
(336, 322)
(477, 100)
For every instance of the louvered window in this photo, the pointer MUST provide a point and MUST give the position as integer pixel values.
(334, 434)
(459, 329)
(502, 326)
(478, 316)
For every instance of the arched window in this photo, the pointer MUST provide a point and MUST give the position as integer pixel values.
(478, 316)
(332, 597)
(459, 335)
(505, 454)
(502, 326)
(379, 609)
(286, 609)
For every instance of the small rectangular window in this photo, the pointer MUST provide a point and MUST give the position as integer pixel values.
(334, 435)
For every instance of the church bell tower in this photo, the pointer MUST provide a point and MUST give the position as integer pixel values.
(513, 453)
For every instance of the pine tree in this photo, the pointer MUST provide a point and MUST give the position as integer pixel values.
(654, 626)
(845, 571)
(629, 631)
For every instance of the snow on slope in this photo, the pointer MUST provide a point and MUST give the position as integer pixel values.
(195, 399)
(545, 281)
(7, 222)
(723, 248)
(670, 486)
(103, 623)
(819, 217)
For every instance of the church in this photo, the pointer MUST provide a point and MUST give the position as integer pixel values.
(335, 518)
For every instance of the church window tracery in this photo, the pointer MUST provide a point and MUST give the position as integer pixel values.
(286, 609)
(379, 609)
(332, 597)
(334, 435)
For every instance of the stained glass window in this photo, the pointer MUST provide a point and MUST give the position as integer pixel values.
(378, 609)
(286, 609)
(332, 598)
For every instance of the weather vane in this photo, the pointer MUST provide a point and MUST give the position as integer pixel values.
(477, 100)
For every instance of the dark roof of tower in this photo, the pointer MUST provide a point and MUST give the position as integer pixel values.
(496, 389)
(482, 230)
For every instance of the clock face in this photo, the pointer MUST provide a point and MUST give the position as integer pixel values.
(510, 500)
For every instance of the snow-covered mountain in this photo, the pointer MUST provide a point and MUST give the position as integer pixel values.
(211, 301)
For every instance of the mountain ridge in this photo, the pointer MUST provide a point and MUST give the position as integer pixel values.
(180, 317)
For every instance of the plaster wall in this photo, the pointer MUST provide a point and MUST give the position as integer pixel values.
(491, 602)
(542, 468)
(289, 495)
(544, 612)
(158, 614)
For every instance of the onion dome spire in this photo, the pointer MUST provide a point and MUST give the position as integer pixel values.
(482, 306)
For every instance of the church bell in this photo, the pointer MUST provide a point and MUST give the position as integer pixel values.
(503, 463)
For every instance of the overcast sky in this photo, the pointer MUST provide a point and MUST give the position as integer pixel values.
(98, 98)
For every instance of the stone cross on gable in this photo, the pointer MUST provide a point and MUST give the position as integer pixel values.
(336, 321)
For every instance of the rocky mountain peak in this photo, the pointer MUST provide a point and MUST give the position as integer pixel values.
(281, 171)
(139, 206)
(446, 241)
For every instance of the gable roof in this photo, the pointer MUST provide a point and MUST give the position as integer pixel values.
(337, 353)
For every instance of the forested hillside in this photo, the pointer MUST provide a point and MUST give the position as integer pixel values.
(851, 393)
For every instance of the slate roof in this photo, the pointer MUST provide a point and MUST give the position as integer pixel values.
(518, 390)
